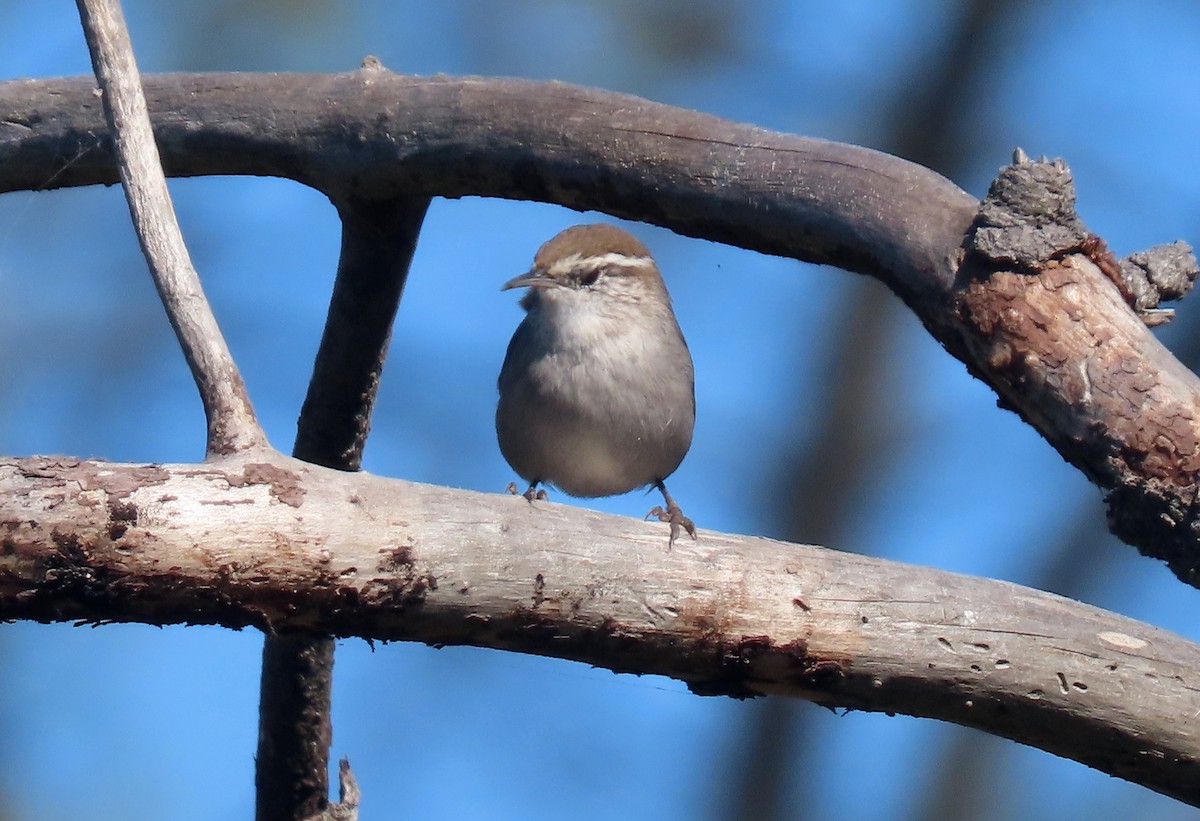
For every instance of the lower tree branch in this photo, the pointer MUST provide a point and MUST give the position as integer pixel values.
(281, 544)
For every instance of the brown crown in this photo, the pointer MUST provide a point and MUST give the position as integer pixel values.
(589, 241)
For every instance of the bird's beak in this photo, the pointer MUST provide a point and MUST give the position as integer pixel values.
(533, 278)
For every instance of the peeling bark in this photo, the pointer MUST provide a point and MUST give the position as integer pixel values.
(1048, 325)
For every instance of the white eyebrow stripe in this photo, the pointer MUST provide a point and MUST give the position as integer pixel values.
(573, 261)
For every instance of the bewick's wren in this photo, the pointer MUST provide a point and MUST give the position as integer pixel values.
(596, 391)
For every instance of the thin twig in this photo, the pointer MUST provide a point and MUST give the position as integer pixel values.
(232, 425)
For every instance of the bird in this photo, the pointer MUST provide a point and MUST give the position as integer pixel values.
(597, 389)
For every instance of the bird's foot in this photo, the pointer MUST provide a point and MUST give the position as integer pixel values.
(673, 514)
(530, 494)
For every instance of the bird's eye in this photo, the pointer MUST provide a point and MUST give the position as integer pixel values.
(589, 277)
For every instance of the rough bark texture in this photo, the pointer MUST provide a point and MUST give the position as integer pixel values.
(280, 544)
(1047, 329)
(374, 134)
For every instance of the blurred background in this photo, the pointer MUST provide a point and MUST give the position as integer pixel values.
(826, 413)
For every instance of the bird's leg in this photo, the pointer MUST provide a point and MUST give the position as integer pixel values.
(672, 514)
(530, 494)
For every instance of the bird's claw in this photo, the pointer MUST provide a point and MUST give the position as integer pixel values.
(530, 494)
(673, 515)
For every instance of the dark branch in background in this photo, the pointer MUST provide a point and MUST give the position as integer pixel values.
(936, 123)
(857, 432)
(378, 241)
(232, 425)
(98, 541)
(394, 136)
(816, 485)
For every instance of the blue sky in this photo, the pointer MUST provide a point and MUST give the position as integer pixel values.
(95, 721)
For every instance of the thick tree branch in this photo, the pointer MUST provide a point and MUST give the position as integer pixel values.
(232, 425)
(373, 134)
(296, 546)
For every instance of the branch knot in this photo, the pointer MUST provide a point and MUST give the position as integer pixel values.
(1028, 219)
